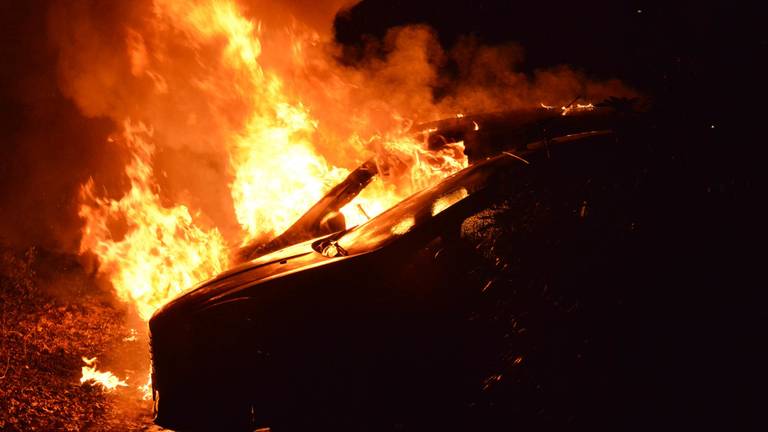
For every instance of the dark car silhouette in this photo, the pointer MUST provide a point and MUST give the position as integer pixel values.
(369, 328)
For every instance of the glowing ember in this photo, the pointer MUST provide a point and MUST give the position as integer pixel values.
(146, 389)
(105, 379)
(577, 107)
(132, 337)
(565, 110)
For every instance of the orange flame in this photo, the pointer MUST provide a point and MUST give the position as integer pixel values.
(107, 380)
(162, 252)
(565, 110)
(289, 123)
(270, 136)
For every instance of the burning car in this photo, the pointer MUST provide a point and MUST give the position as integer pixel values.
(353, 327)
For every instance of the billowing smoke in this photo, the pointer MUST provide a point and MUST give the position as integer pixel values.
(137, 60)
(48, 147)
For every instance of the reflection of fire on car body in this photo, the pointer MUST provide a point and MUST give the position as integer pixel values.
(357, 326)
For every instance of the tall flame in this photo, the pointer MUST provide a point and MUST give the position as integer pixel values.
(162, 252)
(268, 129)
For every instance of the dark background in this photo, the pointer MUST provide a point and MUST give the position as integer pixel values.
(702, 55)
(673, 318)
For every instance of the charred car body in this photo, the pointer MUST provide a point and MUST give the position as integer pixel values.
(372, 327)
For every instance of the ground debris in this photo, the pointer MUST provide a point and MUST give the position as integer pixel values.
(42, 340)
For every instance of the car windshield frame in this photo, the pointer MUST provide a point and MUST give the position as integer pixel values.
(423, 206)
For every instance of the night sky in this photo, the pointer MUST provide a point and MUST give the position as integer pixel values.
(697, 50)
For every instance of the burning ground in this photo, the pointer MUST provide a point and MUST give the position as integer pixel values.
(54, 315)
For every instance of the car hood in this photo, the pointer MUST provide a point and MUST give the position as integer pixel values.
(420, 209)
(269, 266)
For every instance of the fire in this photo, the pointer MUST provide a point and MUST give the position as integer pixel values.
(146, 388)
(211, 57)
(162, 252)
(205, 77)
(566, 109)
(274, 184)
(276, 171)
(577, 107)
(105, 379)
(405, 166)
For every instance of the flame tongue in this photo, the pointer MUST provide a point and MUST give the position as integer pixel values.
(278, 176)
(162, 252)
(256, 109)
(105, 379)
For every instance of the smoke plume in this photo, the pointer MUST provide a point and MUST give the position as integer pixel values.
(136, 60)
